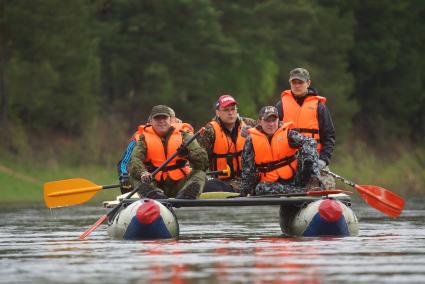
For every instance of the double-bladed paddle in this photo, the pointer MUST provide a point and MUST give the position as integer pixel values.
(378, 197)
(117, 208)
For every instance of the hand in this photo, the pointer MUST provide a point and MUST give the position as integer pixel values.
(321, 164)
(245, 131)
(125, 183)
(146, 177)
(183, 151)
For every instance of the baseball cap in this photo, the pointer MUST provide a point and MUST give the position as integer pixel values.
(224, 101)
(300, 74)
(268, 111)
(162, 110)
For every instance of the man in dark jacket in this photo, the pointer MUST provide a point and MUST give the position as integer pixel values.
(307, 110)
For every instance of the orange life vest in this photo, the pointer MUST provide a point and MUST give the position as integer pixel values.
(177, 125)
(226, 152)
(304, 117)
(275, 159)
(155, 156)
(136, 135)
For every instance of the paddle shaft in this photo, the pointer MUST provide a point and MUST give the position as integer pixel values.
(346, 181)
(115, 210)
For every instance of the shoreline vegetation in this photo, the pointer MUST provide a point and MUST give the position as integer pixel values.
(22, 177)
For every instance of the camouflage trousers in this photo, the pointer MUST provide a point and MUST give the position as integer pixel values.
(171, 187)
(307, 167)
(327, 180)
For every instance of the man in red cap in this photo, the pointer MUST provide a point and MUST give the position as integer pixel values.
(224, 143)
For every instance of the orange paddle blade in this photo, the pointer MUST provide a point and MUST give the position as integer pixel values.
(69, 192)
(382, 199)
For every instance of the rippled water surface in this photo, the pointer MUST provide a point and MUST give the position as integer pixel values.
(217, 245)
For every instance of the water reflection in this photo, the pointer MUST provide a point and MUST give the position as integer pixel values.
(236, 245)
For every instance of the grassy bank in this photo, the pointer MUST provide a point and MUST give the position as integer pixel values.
(24, 183)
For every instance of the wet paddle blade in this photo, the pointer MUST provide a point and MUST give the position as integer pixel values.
(69, 192)
(93, 227)
(382, 199)
(218, 195)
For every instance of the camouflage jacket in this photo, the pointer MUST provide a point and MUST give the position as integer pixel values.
(196, 155)
(250, 178)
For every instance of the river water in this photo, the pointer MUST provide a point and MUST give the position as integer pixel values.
(216, 245)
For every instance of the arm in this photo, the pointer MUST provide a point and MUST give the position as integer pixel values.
(297, 140)
(279, 109)
(197, 155)
(207, 138)
(122, 164)
(326, 132)
(136, 165)
(249, 176)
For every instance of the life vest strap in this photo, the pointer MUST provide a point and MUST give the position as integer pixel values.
(306, 130)
(273, 165)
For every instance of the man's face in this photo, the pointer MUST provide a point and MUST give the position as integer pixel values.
(161, 124)
(299, 87)
(228, 114)
(270, 125)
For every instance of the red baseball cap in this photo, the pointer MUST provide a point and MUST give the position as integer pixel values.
(225, 100)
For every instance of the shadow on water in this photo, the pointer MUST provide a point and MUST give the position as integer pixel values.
(232, 245)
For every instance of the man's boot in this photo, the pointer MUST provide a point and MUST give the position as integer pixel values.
(191, 191)
(149, 191)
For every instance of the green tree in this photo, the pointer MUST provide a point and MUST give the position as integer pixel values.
(53, 70)
(388, 66)
(160, 52)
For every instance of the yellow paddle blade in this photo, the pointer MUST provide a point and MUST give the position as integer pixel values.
(217, 195)
(69, 192)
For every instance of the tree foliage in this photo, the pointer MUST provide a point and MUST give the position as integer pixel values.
(65, 63)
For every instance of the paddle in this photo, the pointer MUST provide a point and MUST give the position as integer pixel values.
(378, 197)
(225, 172)
(70, 192)
(116, 209)
(75, 191)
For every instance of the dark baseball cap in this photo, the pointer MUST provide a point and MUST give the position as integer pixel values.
(162, 110)
(300, 74)
(225, 100)
(268, 111)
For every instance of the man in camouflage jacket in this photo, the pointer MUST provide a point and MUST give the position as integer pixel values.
(223, 140)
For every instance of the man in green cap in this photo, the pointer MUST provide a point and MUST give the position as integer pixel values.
(303, 106)
(159, 141)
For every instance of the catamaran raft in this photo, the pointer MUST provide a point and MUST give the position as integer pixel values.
(308, 216)
(315, 213)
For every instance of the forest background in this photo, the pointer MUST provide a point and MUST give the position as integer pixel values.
(77, 78)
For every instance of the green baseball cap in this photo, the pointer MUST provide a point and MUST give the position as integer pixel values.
(162, 110)
(300, 74)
